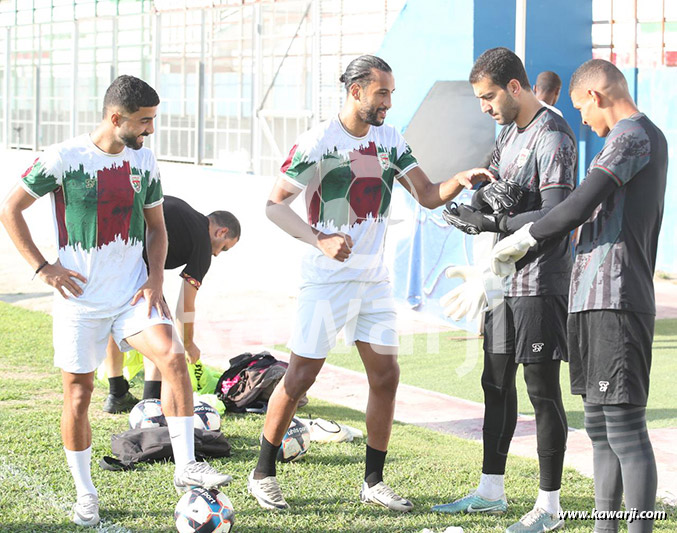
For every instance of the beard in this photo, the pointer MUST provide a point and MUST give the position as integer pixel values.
(130, 141)
(509, 112)
(370, 115)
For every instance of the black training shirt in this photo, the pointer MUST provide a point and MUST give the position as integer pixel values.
(189, 242)
(622, 198)
(541, 158)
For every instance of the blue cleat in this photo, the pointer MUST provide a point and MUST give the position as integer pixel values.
(473, 503)
(536, 521)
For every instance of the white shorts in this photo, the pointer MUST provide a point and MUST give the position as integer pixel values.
(80, 341)
(367, 311)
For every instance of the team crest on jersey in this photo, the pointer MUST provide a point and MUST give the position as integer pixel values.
(135, 180)
(384, 160)
(523, 157)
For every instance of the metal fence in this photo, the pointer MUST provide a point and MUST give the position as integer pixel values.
(635, 34)
(239, 80)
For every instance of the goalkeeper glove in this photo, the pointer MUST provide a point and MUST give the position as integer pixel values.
(510, 250)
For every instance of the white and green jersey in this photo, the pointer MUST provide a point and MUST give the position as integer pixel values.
(98, 201)
(348, 184)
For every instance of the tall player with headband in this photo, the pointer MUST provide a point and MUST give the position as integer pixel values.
(347, 167)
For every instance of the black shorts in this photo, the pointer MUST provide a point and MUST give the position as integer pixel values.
(610, 356)
(532, 328)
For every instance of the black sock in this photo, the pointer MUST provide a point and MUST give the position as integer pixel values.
(373, 472)
(152, 389)
(118, 386)
(267, 457)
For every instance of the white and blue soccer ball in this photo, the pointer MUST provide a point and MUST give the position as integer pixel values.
(204, 511)
(295, 442)
(147, 414)
(206, 417)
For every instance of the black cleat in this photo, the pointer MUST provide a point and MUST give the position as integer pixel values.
(123, 404)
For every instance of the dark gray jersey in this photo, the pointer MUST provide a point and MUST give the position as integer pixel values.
(542, 159)
(616, 249)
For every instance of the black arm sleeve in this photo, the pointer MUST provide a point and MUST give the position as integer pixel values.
(549, 199)
(577, 208)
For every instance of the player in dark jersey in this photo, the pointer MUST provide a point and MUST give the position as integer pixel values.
(193, 239)
(536, 150)
(611, 299)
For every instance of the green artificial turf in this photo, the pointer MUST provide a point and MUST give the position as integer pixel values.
(450, 362)
(36, 490)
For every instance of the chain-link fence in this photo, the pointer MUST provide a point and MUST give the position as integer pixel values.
(239, 80)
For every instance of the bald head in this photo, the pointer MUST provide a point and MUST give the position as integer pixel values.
(602, 76)
(547, 88)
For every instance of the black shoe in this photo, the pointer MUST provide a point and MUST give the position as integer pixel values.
(123, 404)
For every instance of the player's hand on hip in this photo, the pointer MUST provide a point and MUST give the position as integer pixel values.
(335, 245)
(152, 293)
(62, 278)
(192, 353)
(470, 178)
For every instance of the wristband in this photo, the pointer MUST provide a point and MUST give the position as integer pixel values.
(43, 265)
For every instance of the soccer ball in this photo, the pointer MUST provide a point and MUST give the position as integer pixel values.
(206, 417)
(147, 414)
(204, 511)
(295, 442)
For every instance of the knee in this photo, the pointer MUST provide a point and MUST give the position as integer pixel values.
(498, 376)
(78, 396)
(386, 381)
(171, 364)
(542, 380)
(297, 382)
(494, 389)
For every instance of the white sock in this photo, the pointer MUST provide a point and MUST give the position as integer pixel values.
(79, 463)
(548, 501)
(491, 486)
(182, 436)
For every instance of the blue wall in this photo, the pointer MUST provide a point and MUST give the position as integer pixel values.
(656, 97)
(431, 40)
(559, 38)
(493, 25)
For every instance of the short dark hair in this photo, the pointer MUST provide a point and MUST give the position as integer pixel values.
(226, 219)
(359, 70)
(548, 81)
(594, 69)
(130, 94)
(500, 65)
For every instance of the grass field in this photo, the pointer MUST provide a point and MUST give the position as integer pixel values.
(451, 364)
(36, 490)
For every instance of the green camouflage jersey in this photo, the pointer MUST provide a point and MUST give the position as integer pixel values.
(348, 184)
(98, 201)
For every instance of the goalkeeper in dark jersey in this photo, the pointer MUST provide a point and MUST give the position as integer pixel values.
(534, 161)
(611, 301)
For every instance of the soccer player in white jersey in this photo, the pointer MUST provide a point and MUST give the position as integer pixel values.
(347, 167)
(105, 191)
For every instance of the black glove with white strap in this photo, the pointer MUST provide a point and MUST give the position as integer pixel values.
(453, 218)
(470, 220)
